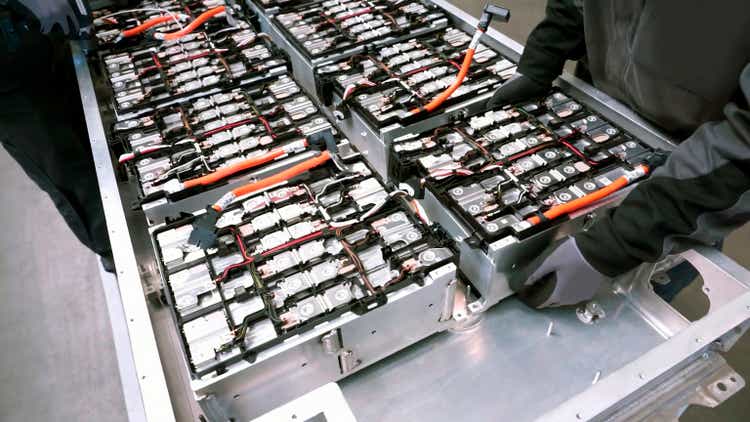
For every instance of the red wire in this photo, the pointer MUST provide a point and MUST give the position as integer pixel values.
(268, 126)
(225, 127)
(577, 152)
(354, 14)
(193, 57)
(524, 153)
(243, 251)
(250, 259)
(458, 66)
(291, 243)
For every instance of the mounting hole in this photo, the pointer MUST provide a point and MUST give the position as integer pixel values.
(143, 377)
(304, 364)
(236, 396)
(294, 416)
(706, 289)
(578, 416)
(430, 305)
(733, 379)
(373, 332)
(721, 386)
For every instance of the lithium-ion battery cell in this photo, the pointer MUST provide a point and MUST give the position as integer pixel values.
(501, 167)
(176, 144)
(332, 27)
(388, 82)
(272, 7)
(221, 57)
(331, 241)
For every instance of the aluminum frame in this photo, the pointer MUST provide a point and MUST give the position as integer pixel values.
(307, 361)
(303, 67)
(142, 373)
(641, 360)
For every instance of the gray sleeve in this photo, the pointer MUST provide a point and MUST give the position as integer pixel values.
(702, 193)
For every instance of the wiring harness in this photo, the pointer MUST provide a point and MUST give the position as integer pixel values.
(198, 144)
(386, 84)
(513, 169)
(290, 254)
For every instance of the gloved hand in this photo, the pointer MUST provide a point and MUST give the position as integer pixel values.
(518, 88)
(52, 12)
(559, 276)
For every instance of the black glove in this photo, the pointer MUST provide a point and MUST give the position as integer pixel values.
(559, 276)
(56, 12)
(518, 88)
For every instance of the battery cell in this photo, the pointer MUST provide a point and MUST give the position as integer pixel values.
(390, 81)
(330, 27)
(194, 138)
(221, 56)
(503, 166)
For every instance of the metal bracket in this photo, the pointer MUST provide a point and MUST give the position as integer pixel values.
(718, 284)
(466, 312)
(331, 342)
(707, 381)
(212, 409)
(348, 361)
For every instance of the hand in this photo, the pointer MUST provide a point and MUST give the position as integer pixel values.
(54, 12)
(518, 88)
(559, 276)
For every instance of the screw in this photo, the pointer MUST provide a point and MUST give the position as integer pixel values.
(596, 377)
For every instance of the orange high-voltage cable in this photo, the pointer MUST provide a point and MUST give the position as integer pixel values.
(277, 178)
(192, 26)
(146, 25)
(204, 228)
(586, 200)
(484, 23)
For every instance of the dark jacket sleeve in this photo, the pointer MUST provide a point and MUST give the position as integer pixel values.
(559, 37)
(702, 193)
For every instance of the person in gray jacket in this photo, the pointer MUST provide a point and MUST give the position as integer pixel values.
(683, 65)
(41, 118)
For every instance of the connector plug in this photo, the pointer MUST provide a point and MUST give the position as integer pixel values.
(323, 140)
(656, 159)
(490, 11)
(204, 229)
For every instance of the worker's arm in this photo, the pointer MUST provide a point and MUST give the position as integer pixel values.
(559, 37)
(702, 193)
(68, 15)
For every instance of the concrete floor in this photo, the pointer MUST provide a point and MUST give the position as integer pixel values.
(56, 351)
